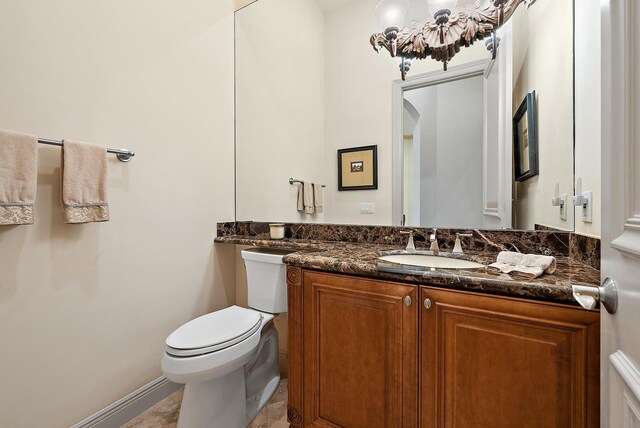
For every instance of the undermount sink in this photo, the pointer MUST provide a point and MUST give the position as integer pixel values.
(431, 261)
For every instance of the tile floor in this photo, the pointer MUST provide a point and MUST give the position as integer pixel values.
(165, 413)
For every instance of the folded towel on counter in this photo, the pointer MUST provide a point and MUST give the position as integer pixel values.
(318, 197)
(84, 182)
(510, 258)
(18, 177)
(525, 266)
(309, 206)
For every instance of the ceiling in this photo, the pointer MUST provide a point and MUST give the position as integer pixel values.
(417, 9)
(327, 5)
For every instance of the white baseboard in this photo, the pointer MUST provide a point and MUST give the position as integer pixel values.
(130, 406)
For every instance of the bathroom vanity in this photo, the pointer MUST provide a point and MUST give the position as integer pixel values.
(426, 356)
(373, 343)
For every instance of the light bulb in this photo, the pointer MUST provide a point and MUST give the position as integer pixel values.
(391, 13)
(437, 5)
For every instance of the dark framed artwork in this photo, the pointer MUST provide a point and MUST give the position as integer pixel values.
(358, 168)
(525, 139)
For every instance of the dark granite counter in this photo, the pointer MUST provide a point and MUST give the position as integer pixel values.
(361, 259)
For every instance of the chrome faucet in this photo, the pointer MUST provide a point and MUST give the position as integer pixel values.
(410, 244)
(434, 242)
(457, 248)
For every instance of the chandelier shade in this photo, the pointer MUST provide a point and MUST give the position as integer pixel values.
(436, 6)
(391, 14)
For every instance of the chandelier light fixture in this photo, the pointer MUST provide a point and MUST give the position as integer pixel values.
(442, 35)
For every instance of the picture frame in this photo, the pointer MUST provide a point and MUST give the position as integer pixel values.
(525, 139)
(358, 168)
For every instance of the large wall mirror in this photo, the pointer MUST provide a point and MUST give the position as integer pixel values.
(489, 143)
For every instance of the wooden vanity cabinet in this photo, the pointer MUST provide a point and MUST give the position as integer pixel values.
(365, 353)
(359, 352)
(497, 362)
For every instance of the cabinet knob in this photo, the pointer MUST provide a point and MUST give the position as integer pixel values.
(407, 301)
(427, 303)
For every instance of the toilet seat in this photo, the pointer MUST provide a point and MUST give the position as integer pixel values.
(213, 332)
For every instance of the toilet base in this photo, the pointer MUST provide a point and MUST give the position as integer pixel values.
(226, 401)
(218, 403)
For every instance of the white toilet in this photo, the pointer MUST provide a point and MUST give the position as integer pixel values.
(228, 359)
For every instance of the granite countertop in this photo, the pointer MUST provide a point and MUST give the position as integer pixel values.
(362, 260)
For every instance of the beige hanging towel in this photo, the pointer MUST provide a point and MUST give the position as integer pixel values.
(318, 198)
(84, 183)
(309, 206)
(18, 177)
(300, 200)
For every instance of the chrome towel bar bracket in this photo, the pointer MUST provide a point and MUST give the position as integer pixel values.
(589, 296)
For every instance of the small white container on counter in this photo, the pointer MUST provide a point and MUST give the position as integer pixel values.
(276, 230)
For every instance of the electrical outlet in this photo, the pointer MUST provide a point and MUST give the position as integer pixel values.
(367, 208)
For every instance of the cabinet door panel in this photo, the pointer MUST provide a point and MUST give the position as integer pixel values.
(360, 353)
(501, 363)
(518, 371)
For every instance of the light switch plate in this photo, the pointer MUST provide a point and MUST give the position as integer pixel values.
(587, 211)
(367, 208)
(564, 207)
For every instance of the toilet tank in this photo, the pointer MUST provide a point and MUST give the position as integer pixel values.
(266, 279)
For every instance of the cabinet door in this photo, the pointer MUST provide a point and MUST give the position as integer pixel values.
(360, 352)
(502, 363)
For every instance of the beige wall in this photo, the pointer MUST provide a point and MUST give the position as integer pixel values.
(543, 62)
(243, 3)
(85, 309)
(280, 107)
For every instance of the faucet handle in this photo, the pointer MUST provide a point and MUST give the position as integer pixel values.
(410, 232)
(457, 248)
(410, 244)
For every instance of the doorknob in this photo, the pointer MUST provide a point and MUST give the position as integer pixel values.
(588, 296)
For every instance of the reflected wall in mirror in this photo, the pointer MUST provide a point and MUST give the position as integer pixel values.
(309, 84)
(442, 148)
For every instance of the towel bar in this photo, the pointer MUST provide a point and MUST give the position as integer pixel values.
(292, 181)
(123, 155)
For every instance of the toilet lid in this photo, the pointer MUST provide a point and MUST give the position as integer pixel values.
(214, 331)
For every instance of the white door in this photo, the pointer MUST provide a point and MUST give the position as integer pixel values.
(620, 350)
